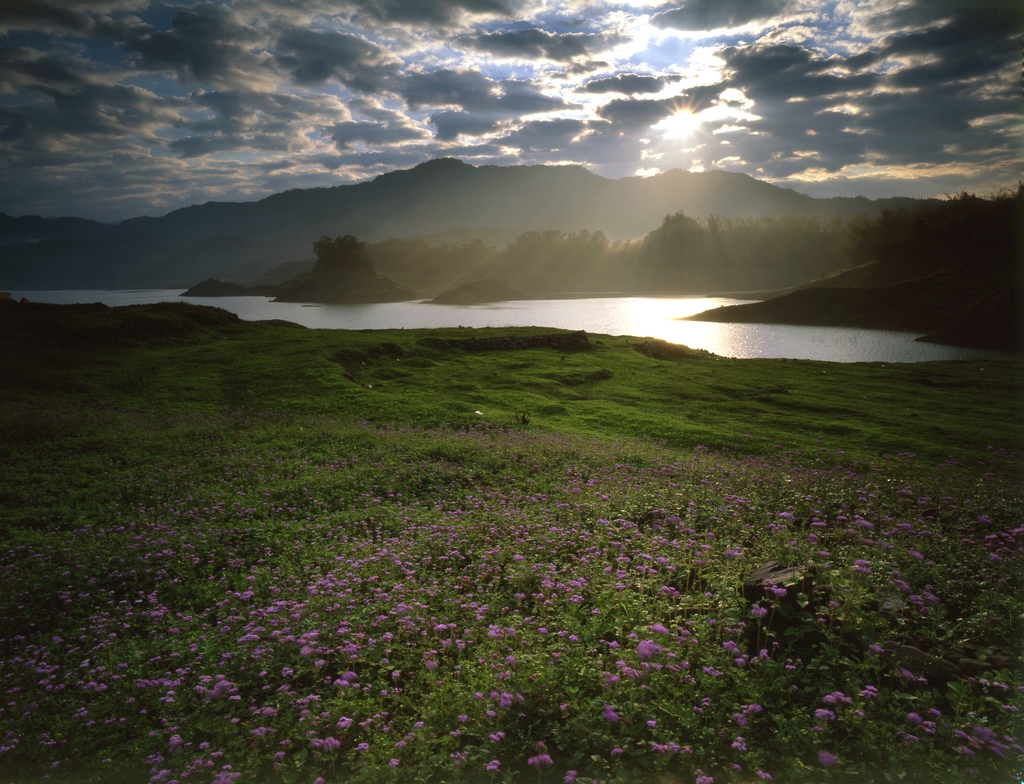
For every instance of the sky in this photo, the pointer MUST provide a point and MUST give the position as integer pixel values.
(111, 109)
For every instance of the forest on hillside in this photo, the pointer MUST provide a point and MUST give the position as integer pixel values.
(963, 251)
(949, 269)
(684, 255)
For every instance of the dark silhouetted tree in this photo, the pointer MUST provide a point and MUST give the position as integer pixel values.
(342, 256)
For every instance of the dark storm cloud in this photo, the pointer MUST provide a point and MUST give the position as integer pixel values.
(969, 44)
(484, 104)
(787, 71)
(944, 77)
(248, 120)
(1004, 15)
(535, 43)
(927, 108)
(241, 110)
(472, 91)
(636, 114)
(628, 84)
(346, 134)
(450, 125)
(34, 14)
(72, 102)
(206, 43)
(550, 137)
(312, 57)
(90, 17)
(714, 14)
(434, 11)
(198, 146)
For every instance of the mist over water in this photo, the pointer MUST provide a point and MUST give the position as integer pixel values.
(654, 317)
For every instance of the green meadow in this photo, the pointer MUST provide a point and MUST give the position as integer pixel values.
(623, 386)
(253, 552)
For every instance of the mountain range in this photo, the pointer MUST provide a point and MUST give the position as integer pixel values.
(443, 200)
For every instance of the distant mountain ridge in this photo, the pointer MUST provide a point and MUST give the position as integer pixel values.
(241, 241)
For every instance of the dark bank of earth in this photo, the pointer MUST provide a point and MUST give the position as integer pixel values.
(945, 307)
(478, 292)
(345, 288)
(211, 287)
(951, 270)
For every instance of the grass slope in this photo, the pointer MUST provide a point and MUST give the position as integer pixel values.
(180, 358)
(253, 552)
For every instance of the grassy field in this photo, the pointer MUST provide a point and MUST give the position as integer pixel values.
(261, 553)
(626, 386)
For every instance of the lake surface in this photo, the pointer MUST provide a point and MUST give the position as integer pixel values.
(641, 316)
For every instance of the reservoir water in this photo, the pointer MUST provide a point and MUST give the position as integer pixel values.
(656, 317)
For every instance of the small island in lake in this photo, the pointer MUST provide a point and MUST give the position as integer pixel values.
(478, 292)
(211, 287)
(344, 274)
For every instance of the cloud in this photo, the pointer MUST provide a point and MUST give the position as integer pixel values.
(252, 121)
(997, 15)
(634, 114)
(628, 84)
(552, 138)
(472, 91)
(535, 43)
(250, 95)
(968, 44)
(80, 16)
(312, 57)
(715, 14)
(474, 105)
(915, 98)
(441, 12)
(373, 134)
(450, 125)
(788, 71)
(73, 103)
(207, 44)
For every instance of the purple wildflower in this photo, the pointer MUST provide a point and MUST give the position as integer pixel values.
(647, 650)
(539, 760)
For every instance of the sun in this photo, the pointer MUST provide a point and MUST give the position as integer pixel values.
(678, 125)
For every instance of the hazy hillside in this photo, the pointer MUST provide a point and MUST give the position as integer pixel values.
(950, 269)
(241, 241)
(684, 255)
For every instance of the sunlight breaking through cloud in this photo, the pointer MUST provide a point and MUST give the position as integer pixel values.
(127, 107)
